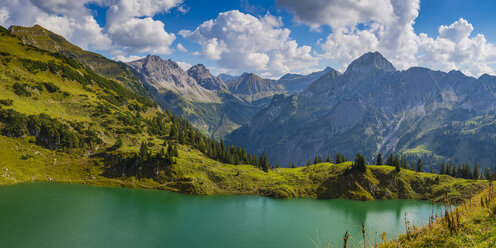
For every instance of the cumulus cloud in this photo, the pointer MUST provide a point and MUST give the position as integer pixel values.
(67, 18)
(181, 48)
(454, 49)
(387, 26)
(241, 42)
(129, 27)
(185, 66)
(126, 59)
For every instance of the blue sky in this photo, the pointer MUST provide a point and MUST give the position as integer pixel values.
(275, 37)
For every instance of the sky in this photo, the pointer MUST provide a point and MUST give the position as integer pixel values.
(274, 37)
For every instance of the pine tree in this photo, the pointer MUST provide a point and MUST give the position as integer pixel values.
(360, 164)
(487, 173)
(443, 168)
(396, 161)
(317, 160)
(328, 159)
(309, 162)
(264, 163)
(143, 154)
(379, 159)
(419, 165)
(475, 175)
(390, 160)
(339, 158)
(397, 167)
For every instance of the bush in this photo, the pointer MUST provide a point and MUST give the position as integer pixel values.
(26, 156)
(51, 87)
(6, 102)
(21, 90)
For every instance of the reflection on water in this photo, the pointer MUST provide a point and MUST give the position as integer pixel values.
(65, 215)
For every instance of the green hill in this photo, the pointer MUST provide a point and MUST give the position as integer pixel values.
(44, 39)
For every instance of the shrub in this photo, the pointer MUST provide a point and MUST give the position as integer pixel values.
(51, 87)
(6, 102)
(21, 90)
(26, 156)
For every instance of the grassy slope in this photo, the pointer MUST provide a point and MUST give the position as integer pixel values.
(195, 174)
(44, 39)
(476, 226)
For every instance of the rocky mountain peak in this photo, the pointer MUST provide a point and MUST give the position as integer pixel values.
(368, 63)
(225, 77)
(202, 75)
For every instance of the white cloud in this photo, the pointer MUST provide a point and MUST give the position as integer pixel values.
(339, 14)
(181, 48)
(141, 35)
(125, 59)
(454, 49)
(242, 42)
(185, 66)
(4, 15)
(129, 23)
(387, 26)
(67, 18)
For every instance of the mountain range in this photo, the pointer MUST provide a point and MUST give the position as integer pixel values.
(370, 108)
(373, 108)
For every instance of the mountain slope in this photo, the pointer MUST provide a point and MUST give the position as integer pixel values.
(294, 83)
(373, 108)
(195, 94)
(206, 80)
(44, 39)
(251, 87)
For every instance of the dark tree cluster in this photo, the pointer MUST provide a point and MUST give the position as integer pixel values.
(360, 164)
(49, 133)
(460, 171)
(144, 164)
(179, 129)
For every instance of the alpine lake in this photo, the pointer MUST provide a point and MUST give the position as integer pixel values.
(72, 215)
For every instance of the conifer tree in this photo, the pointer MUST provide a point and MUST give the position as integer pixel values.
(419, 165)
(390, 160)
(443, 168)
(487, 173)
(264, 163)
(309, 162)
(360, 164)
(379, 159)
(397, 167)
(339, 158)
(396, 161)
(475, 175)
(328, 159)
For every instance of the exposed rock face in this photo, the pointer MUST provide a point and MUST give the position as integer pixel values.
(202, 75)
(195, 95)
(251, 87)
(225, 77)
(294, 83)
(374, 108)
(166, 75)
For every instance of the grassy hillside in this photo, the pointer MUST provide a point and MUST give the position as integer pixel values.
(472, 224)
(44, 39)
(193, 173)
